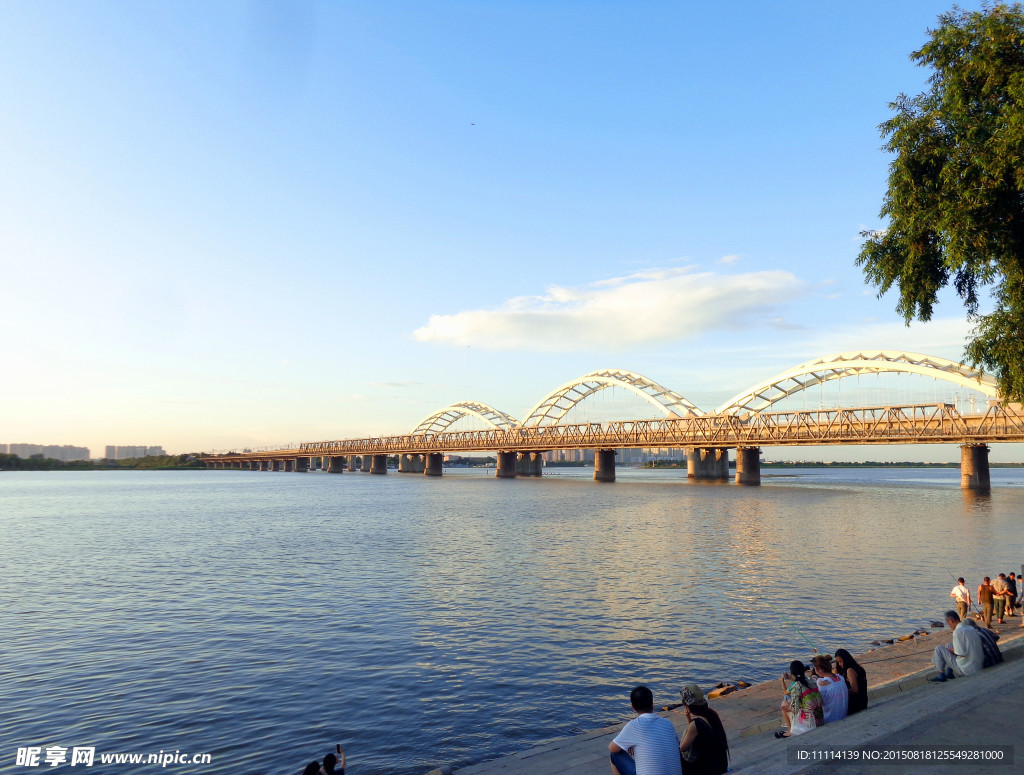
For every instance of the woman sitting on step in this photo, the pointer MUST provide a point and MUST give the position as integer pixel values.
(833, 689)
(802, 710)
(704, 749)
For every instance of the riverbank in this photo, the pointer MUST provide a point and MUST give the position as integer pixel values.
(900, 696)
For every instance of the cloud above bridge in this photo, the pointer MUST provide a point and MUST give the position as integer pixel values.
(655, 305)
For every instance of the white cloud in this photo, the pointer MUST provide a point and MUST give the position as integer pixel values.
(655, 305)
(731, 259)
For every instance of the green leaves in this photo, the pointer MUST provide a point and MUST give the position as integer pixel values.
(955, 197)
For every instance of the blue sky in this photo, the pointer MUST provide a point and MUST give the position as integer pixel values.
(239, 224)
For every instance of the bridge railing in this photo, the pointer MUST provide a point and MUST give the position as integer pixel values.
(903, 424)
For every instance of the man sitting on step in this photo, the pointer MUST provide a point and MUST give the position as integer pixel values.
(964, 656)
(647, 745)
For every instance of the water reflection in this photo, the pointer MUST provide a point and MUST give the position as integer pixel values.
(478, 616)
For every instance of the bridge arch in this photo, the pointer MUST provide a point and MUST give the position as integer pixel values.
(554, 406)
(443, 418)
(806, 375)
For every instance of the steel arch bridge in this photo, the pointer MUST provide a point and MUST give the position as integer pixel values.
(442, 419)
(744, 423)
(850, 364)
(556, 404)
(553, 408)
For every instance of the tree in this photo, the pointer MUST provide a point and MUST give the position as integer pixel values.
(955, 200)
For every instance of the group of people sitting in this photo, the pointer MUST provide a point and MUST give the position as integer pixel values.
(824, 696)
(649, 745)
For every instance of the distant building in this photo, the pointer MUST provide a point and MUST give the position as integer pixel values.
(622, 456)
(52, 451)
(125, 452)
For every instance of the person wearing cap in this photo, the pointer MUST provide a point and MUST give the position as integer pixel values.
(647, 745)
(704, 749)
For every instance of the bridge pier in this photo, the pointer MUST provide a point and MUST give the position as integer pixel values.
(367, 463)
(434, 464)
(378, 464)
(604, 465)
(707, 463)
(411, 463)
(301, 465)
(506, 468)
(276, 465)
(355, 462)
(335, 464)
(748, 465)
(974, 473)
(529, 464)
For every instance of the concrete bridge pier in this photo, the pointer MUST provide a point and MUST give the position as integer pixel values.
(707, 463)
(974, 468)
(276, 465)
(748, 465)
(411, 463)
(254, 466)
(302, 464)
(367, 463)
(529, 464)
(355, 462)
(604, 465)
(434, 464)
(335, 464)
(537, 463)
(506, 468)
(378, 464)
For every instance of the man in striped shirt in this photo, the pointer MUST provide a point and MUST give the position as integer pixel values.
(647, 745)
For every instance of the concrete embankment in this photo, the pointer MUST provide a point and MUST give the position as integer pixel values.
(904, 710)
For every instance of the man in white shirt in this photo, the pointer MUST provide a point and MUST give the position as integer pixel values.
(962, 595)
(964, 656)
(647, 745)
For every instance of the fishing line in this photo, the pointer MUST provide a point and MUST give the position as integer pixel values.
(787, 621)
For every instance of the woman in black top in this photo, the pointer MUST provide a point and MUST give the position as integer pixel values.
(856, 680)
(704, 749)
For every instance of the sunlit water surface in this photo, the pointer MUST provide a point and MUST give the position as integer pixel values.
(422, 622)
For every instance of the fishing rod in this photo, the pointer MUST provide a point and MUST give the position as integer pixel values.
(787, 621)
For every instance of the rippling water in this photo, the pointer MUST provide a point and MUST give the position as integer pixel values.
(422, 621)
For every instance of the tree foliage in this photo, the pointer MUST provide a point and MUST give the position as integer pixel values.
(955, 200)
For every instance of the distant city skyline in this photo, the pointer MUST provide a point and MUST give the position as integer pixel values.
(328, 220)
(71, 452)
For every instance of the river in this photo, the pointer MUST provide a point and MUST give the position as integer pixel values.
(261, 617)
